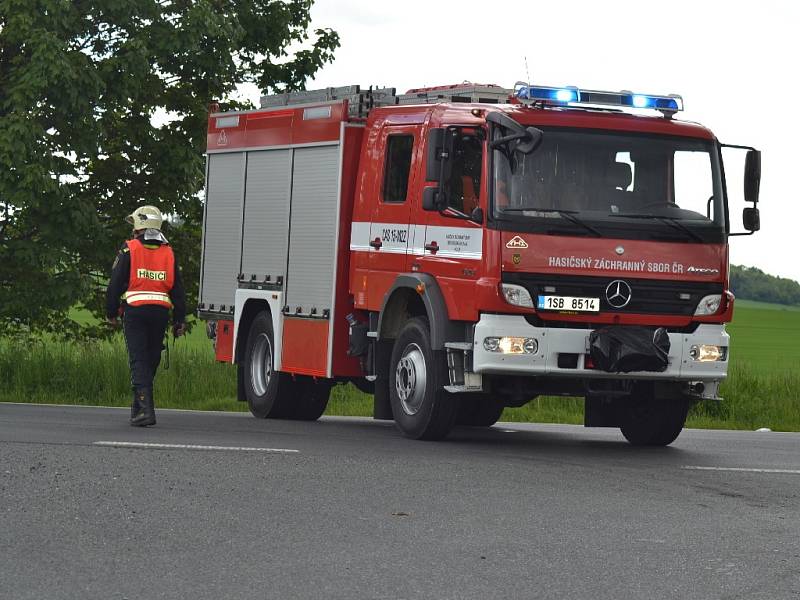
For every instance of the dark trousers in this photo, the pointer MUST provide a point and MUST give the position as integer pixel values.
(144, 328)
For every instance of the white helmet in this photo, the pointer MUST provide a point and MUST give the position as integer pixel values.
(145, 217)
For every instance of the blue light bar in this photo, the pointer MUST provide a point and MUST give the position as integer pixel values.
(571, 95)
(666, 103)
(554, 95)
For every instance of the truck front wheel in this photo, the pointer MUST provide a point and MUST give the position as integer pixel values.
(479, 410)
(649, 421)
(422, 409)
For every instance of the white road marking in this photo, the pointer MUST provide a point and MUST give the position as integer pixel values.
(151, 446)
(743, 470)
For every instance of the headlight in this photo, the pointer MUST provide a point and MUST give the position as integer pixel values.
(516, 295)
(708, 353)
(511, 345)
(709, 305)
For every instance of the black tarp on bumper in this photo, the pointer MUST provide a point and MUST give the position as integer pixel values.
(623, 349)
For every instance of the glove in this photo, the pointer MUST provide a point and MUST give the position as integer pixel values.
(178, 329)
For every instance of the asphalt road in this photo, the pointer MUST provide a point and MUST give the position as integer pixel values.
(347, 508)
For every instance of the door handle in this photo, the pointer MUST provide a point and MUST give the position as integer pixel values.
(433, 247)
(376, 243)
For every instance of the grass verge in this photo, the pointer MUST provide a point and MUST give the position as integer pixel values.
(97, 373)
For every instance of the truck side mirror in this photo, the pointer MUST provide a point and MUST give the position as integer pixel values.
(530, 143)
(519, 139)
(438, 167)
(432, 199)
(449, 137)
(752, 178)
(752, 182)
(433, 165)
(750, 217)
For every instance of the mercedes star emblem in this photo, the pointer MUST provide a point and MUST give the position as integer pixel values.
(618, 293)
(619, 250)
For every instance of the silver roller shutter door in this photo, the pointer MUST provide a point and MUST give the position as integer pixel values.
(312, 238)
(266, 214)
(222, 235)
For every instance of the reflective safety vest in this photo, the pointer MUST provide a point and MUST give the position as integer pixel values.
(152, 274)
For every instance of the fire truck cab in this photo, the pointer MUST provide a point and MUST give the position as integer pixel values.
(460, 249)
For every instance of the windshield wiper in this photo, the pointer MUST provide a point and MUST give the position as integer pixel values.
(569, 215)
(674, 223)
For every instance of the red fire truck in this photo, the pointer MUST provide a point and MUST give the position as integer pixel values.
(459, 249)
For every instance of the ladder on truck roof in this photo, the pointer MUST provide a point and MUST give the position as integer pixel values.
(362, 100)
(460, 92)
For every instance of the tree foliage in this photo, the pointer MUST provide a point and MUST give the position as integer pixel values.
(103, 106)
(750, 283)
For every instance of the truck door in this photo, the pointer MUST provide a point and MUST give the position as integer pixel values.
(452, 249)
(390, 231)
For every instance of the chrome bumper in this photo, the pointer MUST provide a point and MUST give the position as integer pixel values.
(555, 341)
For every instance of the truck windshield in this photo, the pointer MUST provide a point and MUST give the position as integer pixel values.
(612, 184)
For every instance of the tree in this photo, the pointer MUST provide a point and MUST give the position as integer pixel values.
(750, 283)
(85, 89)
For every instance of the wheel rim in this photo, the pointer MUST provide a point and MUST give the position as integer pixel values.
(411, 379)
(261, 364)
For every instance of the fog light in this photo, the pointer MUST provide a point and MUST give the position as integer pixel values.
(511, 345)
(491, 344)
(708, 353)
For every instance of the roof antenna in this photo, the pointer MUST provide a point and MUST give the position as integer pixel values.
(527, 75)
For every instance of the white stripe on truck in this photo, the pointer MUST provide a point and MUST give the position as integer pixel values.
(397, 238)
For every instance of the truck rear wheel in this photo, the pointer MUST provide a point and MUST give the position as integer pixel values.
(649, 421)
(422, 409)
(266, 390)
(478, 410)
(311, 399)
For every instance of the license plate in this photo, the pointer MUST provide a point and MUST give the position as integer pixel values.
(568, 303)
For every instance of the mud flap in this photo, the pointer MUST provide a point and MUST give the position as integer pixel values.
(600, 412)
(620, 349)
(382, 408)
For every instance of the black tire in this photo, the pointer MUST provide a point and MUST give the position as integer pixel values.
(478, 410)
(649, 421)
(422, 409)
(311, 399)
(268, 392)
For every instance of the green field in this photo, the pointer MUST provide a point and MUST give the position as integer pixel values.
(765, 336)
(763, 389)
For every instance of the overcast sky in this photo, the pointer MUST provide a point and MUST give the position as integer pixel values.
(735, 64)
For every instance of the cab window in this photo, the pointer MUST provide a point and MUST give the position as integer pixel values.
(397, 168)
(464, 184)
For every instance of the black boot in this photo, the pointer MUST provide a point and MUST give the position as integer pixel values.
(147, 414)
(135, 406)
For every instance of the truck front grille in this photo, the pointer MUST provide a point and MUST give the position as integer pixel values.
(648, 296)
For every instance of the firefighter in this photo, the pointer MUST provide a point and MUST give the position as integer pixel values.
(146, 277)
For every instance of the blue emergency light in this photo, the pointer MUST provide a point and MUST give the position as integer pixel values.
(555, 95)
(569, 95)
